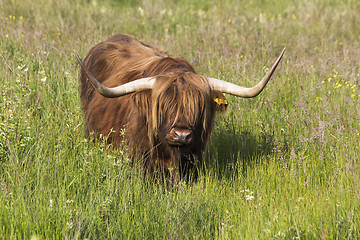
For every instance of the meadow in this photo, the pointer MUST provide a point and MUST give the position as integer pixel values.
(283, 165)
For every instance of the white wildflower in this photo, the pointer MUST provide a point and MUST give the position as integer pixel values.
(261, 18)
(141, 11)
(249, 197)
(69, 225)
(51, 204)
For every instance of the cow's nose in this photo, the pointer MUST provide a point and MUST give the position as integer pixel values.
(183, 136)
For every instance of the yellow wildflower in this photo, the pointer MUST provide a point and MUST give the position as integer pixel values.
(338, 85)
(293, 16)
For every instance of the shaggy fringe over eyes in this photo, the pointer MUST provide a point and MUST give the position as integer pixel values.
(186, 96)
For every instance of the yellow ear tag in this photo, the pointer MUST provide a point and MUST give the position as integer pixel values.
(220, 101)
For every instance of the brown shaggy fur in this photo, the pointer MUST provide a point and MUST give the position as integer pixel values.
(179, 99)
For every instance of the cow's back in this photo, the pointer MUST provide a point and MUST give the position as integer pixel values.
(118, 60)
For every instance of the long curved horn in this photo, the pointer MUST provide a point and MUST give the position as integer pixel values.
(130, 87)
(244, 92)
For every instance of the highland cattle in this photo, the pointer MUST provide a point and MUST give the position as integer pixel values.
(166, 109)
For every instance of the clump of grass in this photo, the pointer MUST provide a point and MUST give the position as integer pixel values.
(283, 165)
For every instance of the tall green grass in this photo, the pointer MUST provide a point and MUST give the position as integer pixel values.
(283, 165)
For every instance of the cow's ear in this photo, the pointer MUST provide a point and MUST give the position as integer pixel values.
(219, 102)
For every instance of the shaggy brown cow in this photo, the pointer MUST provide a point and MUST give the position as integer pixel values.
(165, 107)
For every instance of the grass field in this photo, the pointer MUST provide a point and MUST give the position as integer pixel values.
(284, 165)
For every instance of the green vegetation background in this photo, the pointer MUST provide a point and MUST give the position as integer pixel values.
(284, 165)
